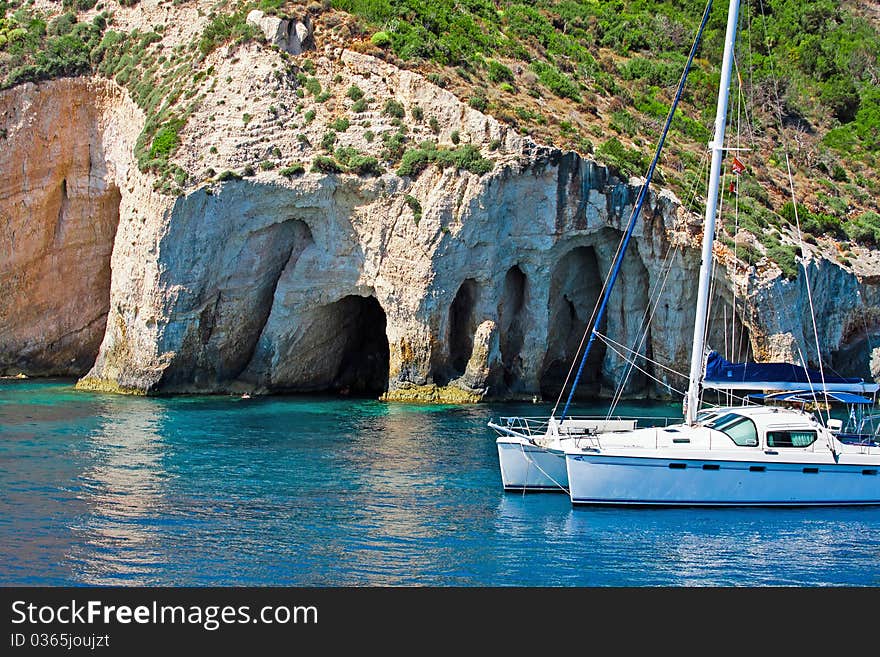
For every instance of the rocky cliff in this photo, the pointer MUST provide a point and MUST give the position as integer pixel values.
(444, 285)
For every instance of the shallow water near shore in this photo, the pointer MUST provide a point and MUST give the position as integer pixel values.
(309, 491)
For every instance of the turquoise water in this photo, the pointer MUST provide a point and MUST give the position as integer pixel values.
(111, 490)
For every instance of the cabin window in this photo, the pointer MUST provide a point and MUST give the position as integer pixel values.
(704, 416)
(741, 430)
(803, 438)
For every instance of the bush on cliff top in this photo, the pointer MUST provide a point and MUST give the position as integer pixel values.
(466, 157)
(36, 52)
(166, 140)
(223, 28)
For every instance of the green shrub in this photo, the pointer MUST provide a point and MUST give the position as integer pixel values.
(61, 25)
(354, 92)
(381, 39)
(556, 81)
(228, 175)
(393, 109)
(478, 102)
(360, 106)
(785, 256)
(340, 125)
(748, 253)
(434, 124)
(224, 28)
(455, 137)
(292, 170)
(865, 229)
(357, 162)
(394, 143)
(415, 161)
(166, 141)
(624, 122)
(324, 164)
(498, 72)
(466, 157)
(815, 223)
(79, 5)
(328, 140)
(627, 161)
(415, 206)
(308, 117)
(312, 86)
(417, 113)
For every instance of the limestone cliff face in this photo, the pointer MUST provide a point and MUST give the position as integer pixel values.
(448, 286)
(846, 311)
(66, 163)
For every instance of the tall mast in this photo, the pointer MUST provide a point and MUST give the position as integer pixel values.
(717, 147)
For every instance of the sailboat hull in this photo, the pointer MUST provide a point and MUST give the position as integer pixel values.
(528, 467)
(601, 479)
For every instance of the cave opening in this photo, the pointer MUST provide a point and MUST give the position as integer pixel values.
(575, 286)
(462, 326)
(512, 324)
(727, 334)
(364, 352)
(857, 354)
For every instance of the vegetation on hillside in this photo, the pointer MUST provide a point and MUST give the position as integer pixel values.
(597, 77)
(34, 47)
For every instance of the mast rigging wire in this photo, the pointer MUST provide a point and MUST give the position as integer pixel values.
(637, 209)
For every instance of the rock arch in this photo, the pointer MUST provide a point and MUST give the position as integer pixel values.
(512, 321)
(575, 286)
(462, 326)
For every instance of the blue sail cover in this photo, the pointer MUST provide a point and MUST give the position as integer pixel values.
(723, 374)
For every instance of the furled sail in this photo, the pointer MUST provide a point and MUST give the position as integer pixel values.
(722, 374)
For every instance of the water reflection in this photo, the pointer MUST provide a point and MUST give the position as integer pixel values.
(300, 491)
(385, 464)
(124, 491)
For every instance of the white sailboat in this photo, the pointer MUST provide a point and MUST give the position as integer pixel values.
(531, 451)
(743, 456)
(543, 454)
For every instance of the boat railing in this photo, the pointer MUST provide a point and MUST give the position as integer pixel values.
(578, 425)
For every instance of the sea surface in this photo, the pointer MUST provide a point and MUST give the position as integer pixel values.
(306, 491)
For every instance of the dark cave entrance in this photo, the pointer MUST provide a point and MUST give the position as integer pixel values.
(364, 356)
(574, 288)
(462, 326)
(512, 324)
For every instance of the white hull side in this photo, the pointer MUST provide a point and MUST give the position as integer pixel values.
(629, 480)
(525, 466)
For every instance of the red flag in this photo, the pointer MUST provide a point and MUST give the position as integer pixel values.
(737, 167)
(732, 187)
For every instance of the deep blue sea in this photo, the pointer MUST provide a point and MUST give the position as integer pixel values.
(303, 491)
